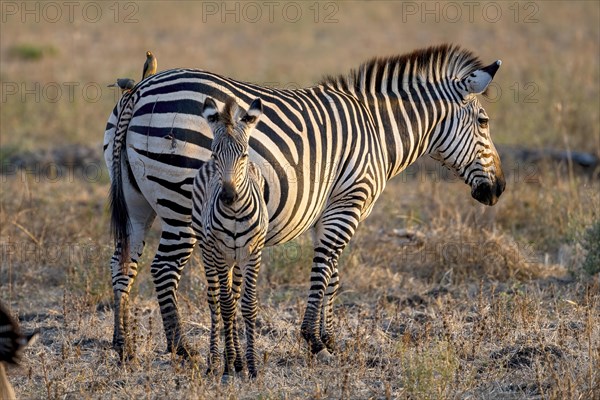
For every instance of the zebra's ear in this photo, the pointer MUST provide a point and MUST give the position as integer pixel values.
(209, 110)
(479, 80)
(254, 112)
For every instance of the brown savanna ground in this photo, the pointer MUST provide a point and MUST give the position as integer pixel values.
(475, 302)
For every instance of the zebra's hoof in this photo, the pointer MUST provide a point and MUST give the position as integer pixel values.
(213, 365)
(329, 343)
(239, 366)
(324, 356)
(184, 351)
(226, 380)
(188, 353)
(120, 351)
(124, 356)
(213, 371)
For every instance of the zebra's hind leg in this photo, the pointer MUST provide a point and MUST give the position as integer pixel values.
(174, 250)
(327, 332)
(123, 272)
(123, 276)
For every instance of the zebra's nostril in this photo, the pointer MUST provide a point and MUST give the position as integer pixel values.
(500, 186)
(484, 193)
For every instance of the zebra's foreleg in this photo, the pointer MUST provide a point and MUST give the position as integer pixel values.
(228, 308)
(250, 309)
(236, 287)
(310, 328)
(212, 297)
(174, 250)
(332, 233)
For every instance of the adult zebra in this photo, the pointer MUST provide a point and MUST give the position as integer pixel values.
(326, 153)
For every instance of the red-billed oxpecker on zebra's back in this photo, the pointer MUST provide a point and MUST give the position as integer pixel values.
(326, 153)
(150, 65)
(230, 219)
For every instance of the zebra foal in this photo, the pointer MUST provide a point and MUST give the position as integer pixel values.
(229, 217)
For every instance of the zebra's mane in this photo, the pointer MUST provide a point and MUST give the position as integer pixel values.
(433, 64)
(230, 112)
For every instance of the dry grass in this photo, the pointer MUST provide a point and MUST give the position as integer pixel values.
(467, 311)
(441, 297)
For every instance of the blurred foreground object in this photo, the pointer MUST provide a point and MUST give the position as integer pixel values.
(11, 344)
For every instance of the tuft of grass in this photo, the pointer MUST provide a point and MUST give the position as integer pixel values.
(430, 372)
(32, 52)
(8, 151)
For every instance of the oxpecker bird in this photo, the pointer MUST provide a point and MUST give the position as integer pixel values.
(149, 65)
(125, 84)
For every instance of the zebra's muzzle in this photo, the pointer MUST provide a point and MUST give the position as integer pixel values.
(228, 194)
(488, 193)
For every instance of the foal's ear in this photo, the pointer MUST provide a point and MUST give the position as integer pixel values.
(254, 112)
(209, 110)
(479, 80)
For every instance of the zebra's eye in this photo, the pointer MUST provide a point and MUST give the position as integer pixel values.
(213, 156)
(248, 119)
(483, 122)
(244, 156)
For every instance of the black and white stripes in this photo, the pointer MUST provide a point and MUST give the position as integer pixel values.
(326, 153)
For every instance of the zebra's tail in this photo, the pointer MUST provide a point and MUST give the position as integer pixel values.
(119, 215)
